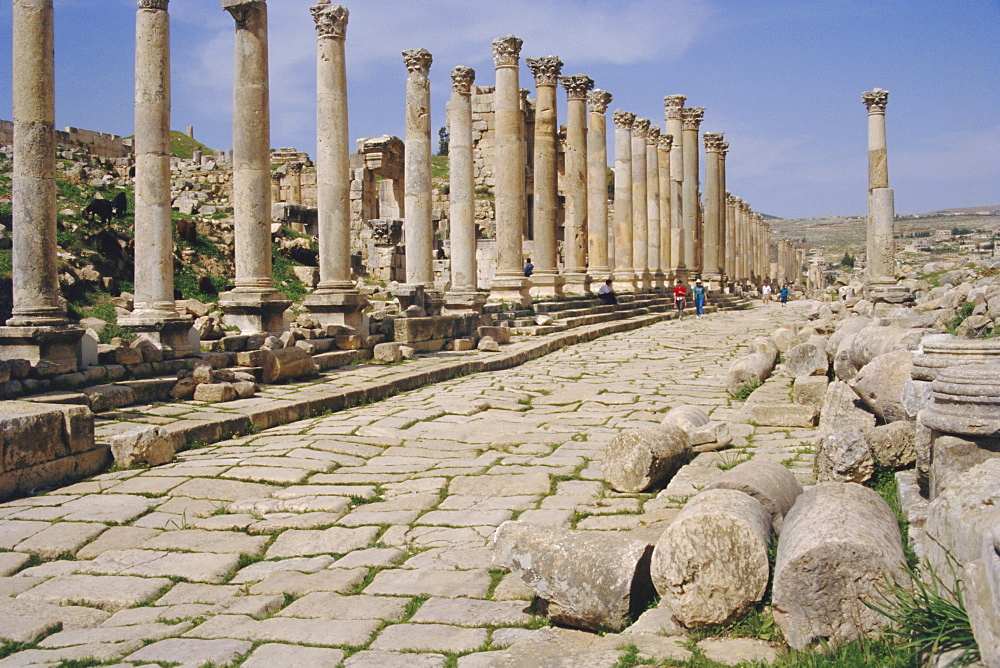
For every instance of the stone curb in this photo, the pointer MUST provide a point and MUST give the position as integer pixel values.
(260, 413)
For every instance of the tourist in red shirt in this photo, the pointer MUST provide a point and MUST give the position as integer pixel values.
(680, 297)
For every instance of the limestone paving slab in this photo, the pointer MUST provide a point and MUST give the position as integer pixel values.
(335, 540)
(13, 532)
(286, 629)
(430, 582)
(113, 508)
(190, 653)
(192, 566)
(61, 538)
(196, 540)
(328, 605)
(260, 570)
(299, 584)
(472, 612)
(271, 655)
(12, 562)
(112, 592)
(429, 638)
(112, 634)
(377, 659)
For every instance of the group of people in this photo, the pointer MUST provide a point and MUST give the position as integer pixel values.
(699, 292)
(766, 290)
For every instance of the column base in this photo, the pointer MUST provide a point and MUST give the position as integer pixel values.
(172, 335)
(659, 281)
(625, 280)
(713, 282)
(51, 350)
(546, 285)
(887, 290)
(335, 307)
(418, 294)
(577, 283)
(468, 301)
(512, 289)
(254, 312)
(681, 274)
(597, 275)
(644, 280)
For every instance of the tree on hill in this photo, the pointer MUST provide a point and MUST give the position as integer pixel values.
(847, 261)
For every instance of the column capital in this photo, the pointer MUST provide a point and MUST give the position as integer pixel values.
(546, 69)
(295, 167)
(277, 177)
(723, 149)
(240, 9)
(417, 61)
(331, 19)
(623, 119)
(462, 78)
(713, 142)
(577, 86)
(875, 100)
(672, 105)
(666, 142)
(599, 100)
(653, 136)
(692, 117)
(153, 4)
(640, 127)
(506, 51)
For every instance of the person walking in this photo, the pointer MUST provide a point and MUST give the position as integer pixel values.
(680, 297)
(784, 295)
(765, 293)
(700, 293)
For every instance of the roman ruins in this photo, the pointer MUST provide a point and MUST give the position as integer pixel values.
(334, 480)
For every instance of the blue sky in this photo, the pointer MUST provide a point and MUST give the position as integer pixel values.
(782, 78)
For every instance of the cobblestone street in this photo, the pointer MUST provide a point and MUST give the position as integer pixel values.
(353, 537)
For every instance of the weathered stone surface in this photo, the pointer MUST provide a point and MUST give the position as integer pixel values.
(383, 659)
(268, 656)
(753, 368)
(335, 540)
(840, 409)
(35, 433)
(880, 384)
(215, 392)
(279, 365)
(871, 342)
(952, 456)
(638, 459)
(763, 345)
(688, 418)
(784, 338)
(287, 629)
(532, 482)
(189, 652)
(843, 456)
(981, 586)
(810, 390)
(783, 415)
(892, 444)
(61, 538)
(962, 516)
(736, 651)
(966, 401)
(430, 582)
(387, 353)
(916, 397)
(773, 485)
(488, 344)
(807, 359)
(472, 612)
(843, 363)
(329, 605)
(429, 638)
(839, 544)
(153, 446)
(112, 592)
(197, 567)
(590, 579)
(710, 565)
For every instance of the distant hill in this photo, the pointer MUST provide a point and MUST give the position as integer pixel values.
(183, 146)
(969, 210)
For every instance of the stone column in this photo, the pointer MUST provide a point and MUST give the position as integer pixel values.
(276, 178)
(295, 182)
(881, 249)
(731, 266)
(640, 208)
(711, 271)
(597, 186)
(653, 208)
(780, 273)
(623, 201)
(418, 227)
(546, 281)
(575, 244)
(253, 305)
(663, 147)
(335, 301)
(463, 295)
(723, 244)
(672, 105)
(38, 329)
(691, 119)
(743, 251)
(155, 315)
(509, 283)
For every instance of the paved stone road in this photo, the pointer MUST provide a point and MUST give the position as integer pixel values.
(360, 537)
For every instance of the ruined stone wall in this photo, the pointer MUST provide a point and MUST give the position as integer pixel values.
(98, 144)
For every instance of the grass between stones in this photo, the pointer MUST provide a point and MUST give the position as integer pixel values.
(746, 390)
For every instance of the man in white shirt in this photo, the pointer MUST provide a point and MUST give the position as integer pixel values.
(607, 294)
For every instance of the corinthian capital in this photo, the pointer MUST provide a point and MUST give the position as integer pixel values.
(577, 86)
(653, 136)
(417, 61)
(624, 119)
(545, 69)
(462, 79)
(153, 4)
(240, 9)
(723, 149)
(713, 142)
(599, 100)
(666, 142)
(640, 127)
(672, 105)
(331, 20)
(506, 51)
(692, 117)
(876, 100)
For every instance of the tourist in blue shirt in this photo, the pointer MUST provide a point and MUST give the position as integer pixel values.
(784, 295)
(699, 297)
